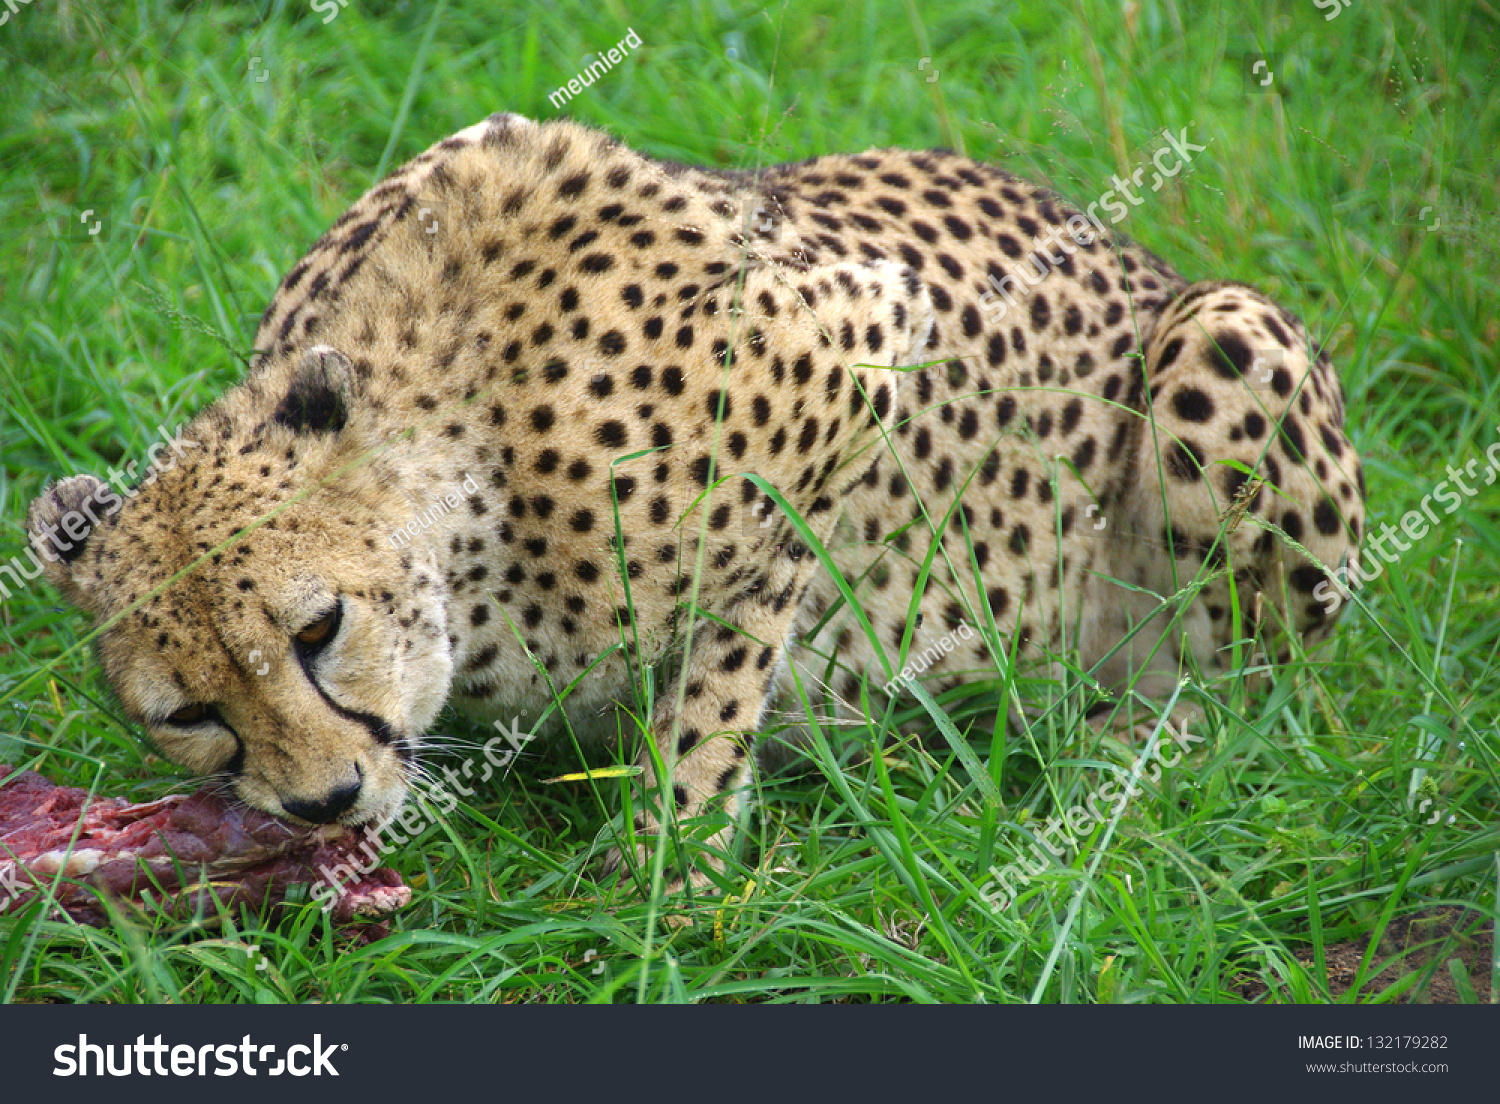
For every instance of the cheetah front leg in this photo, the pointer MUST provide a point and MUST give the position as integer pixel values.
(805, 402)
(705, 728)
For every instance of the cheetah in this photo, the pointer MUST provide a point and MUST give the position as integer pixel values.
(539, 413)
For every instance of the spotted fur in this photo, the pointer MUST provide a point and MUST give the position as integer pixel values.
(582, 386)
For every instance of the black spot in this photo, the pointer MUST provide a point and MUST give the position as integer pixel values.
(1308, 578)
(1231, 356)
(1169, 353)
(999, 600)
(1083, 456)
(1192, 405)
(1072, 412)
(1185, 461)
(611, 434)
(1041, 313)
(995, 349)
(970, 320)
(1293, 443)
(573, 186)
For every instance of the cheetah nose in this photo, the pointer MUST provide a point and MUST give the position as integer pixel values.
(329, 809)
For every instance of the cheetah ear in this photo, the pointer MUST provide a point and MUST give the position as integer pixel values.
(321, 392)
(59, 524)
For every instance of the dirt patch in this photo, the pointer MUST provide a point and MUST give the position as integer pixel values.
(1426, 944)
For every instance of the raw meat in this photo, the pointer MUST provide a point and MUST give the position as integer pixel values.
(173, 857)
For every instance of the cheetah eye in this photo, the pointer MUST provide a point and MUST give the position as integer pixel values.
(190, 715)
(321, 631)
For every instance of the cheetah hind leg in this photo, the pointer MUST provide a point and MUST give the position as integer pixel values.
(831, 407)
(1242, 458)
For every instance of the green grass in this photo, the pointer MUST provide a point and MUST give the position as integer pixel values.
(864, 877)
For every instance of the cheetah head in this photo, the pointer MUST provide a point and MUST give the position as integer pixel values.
(250, 616)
